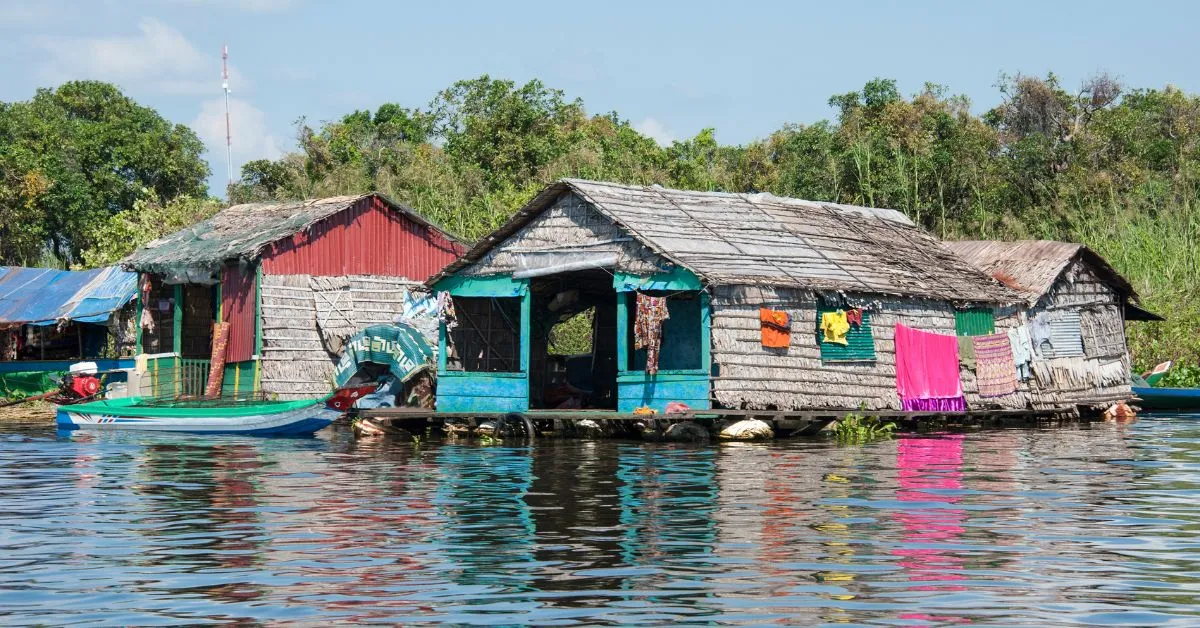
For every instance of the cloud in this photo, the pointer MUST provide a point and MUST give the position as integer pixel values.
(157, 57)
(245, 6)
(655, 130)
(251, 136)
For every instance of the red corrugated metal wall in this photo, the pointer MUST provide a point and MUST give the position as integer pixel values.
(238, 298)
(366, 239)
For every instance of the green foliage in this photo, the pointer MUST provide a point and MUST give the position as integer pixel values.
(1186, 376)
(73, 157)
(124, 232)
(857, 429)
(574, 335)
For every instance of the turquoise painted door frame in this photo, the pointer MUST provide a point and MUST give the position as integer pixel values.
(636, 389)
(467, 391)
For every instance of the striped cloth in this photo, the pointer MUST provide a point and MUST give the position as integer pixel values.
(994, 368)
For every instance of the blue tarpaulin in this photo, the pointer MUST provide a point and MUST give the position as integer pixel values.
(43, 296)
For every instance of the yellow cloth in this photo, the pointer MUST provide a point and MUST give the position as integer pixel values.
(835, 326)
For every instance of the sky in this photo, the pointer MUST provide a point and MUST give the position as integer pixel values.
(670, 68)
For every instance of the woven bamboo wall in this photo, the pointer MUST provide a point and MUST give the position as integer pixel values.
(296, 362)
(1102, 324)
(755, 377)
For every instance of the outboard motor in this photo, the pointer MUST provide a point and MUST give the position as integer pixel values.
(81, 381)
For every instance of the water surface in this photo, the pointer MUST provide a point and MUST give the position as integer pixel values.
(1086, 525)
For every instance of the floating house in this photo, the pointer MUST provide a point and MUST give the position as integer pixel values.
(293, 281)
(745, 282)
(1080, 302)
(50, 319)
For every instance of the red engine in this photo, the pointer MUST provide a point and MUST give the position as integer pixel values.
(83, 386)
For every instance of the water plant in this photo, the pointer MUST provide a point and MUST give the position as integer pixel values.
(856, 428)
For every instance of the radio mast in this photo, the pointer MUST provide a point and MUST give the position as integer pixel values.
(228, 131)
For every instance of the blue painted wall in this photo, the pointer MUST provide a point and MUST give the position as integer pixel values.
(459, 391)
(637, 389)
(463, 391)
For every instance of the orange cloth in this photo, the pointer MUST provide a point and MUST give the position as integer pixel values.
(776, 330)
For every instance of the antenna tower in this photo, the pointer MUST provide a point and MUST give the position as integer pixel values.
(228, 131)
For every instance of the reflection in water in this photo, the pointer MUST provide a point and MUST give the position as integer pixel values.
(1090, 525)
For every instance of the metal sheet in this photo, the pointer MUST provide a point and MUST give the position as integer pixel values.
(365, 239)
(237, 308)
(44, 295)
(1066, 337)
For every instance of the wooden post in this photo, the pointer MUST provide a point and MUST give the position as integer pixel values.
(137, 345)
(258, 329)
(622, 332)
(177, 335)
(526, 329)
(706, 332)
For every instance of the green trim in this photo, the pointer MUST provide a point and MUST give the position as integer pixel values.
(622, 332)
(861, 347)
(526, 328)
(217, 297)
(706, 332)
(976, 321)
(678, 278)
(130, 406)
(177, 321)
(487, 286)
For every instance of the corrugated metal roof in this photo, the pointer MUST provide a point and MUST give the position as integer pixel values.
(762, 239)
(1032, 267)
(44, 295)
(242, 232)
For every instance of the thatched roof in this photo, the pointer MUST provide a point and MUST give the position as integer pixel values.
(243, 232)
(1032, 267)
(737, 239)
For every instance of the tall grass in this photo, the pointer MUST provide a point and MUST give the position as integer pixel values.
(1155, 248)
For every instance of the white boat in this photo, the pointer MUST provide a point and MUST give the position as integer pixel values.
(254, 418)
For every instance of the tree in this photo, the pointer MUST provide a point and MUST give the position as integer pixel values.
(75, 156)
(124, 232)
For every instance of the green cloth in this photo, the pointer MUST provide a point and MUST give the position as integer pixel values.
(966, 351)
(20, 384)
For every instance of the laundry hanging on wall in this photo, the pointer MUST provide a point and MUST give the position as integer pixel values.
(854, 317)
(927, 373)
(994, 370)
(834, 326)
(776, 328)
(1022, 350)
(647, 328)
(966, 352)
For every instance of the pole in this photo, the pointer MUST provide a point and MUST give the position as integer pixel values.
(228, 128)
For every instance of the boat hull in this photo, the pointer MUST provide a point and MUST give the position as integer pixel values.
(293, 422)
(1176, 399)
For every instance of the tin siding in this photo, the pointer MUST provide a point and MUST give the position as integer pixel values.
(237, 308)
(366, 239)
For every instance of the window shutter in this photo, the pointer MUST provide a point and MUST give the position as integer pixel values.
(861, 347)
(976, 321)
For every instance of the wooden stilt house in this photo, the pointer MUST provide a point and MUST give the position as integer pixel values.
(1083, 302)
(292, 280)
(718, 259)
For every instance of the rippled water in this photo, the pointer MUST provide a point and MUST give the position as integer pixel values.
(1089, 525)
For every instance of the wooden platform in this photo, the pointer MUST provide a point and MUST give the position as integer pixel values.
(766, 415)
